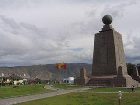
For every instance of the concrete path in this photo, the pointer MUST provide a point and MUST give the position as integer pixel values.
(11, 101)
(109, 92)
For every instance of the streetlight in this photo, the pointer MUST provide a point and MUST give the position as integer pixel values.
(120, 97)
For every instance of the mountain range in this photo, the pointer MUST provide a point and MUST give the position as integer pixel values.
(46, 71)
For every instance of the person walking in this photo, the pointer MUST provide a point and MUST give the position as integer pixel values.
(132, 88)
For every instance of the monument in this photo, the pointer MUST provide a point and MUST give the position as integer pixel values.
(109, 66)
(83, 79)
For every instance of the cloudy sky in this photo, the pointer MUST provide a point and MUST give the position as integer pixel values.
(52, 31)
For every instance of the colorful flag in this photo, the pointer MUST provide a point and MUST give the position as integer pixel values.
(61, 66)
(65, 66)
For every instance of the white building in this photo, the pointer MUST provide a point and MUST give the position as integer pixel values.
(69, 80)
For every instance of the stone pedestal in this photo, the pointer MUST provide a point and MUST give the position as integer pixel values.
(83, 79)
(124, 80)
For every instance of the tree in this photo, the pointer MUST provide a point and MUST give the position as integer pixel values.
(138, 66)
(130, 68)
(38, 81)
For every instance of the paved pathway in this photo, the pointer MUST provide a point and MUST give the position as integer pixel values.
(11, 101)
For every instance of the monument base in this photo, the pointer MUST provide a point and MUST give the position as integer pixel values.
(101, 81)
(81, 81)
(112, 81)
(125, 81)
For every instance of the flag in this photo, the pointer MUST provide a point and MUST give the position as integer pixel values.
(61, 66)
(65, 66)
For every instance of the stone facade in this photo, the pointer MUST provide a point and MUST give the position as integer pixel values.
(83, 79)
(109, 65)
(108, 53)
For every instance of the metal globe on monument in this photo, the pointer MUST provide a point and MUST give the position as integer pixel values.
(107, 19)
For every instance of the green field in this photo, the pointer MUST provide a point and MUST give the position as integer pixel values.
(113, 89)
(22, 90)
(91, 98)
(9, 91)
(65, 86)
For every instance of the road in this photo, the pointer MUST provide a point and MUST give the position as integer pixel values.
(11, 101)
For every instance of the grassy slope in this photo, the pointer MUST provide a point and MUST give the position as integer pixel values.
(90, 98)
(66, 86)
(113, 89)
(9, 91)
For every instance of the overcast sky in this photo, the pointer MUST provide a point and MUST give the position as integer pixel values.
(52, 31)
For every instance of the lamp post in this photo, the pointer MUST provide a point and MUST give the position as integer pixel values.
(119, 97)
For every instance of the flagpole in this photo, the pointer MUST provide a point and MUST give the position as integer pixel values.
(66, 71)
(58, 75)
(60, 67)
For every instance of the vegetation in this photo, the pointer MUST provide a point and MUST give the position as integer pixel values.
(113, 89)
(90, 97)
(21, 90)
(10, 91)
(65, 86)
(131, 67)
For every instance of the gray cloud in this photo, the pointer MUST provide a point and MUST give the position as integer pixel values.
(51, 31)
(25, 44)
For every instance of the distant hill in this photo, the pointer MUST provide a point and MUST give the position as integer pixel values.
(44, 72)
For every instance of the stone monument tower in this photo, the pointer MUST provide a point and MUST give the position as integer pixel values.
(109, 66)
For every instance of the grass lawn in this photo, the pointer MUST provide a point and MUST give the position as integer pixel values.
(90, 98)
(113, 89)
(65, 86)
(9, 91)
